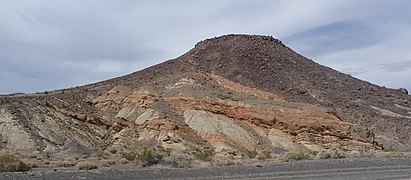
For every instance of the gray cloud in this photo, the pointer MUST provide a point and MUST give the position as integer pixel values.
(396, 66)
(339, 36)
(47, 44)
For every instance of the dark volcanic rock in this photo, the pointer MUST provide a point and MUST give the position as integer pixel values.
(403, 90)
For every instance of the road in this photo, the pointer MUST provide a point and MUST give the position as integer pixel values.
(363, 168)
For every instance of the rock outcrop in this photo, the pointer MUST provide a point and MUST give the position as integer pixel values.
(234, 94)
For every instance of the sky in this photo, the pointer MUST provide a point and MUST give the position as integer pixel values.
(54, 44)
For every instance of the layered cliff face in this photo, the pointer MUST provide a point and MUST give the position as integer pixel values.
(245, 95)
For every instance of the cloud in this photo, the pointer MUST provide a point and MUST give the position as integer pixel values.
(391, 79)
(372, 43)
(396, 66)
(46, 44)
(334, 37)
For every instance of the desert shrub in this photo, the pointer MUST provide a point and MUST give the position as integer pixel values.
(222, 162)
(46, 154)
(252, 154)
(107, 163)
(86, 165)
(145, 157)
(130, 156)
(393, 153)
(10, 163)
(295, 156)
(265, 154)
(32, 163)
(331, 154)
(71, 159)
(113, 151)
(64, 163)
(68, 162)
(101, 154)
(204, 155)
(353, 154)
(179, 160)
(168, 151)
(367, 153)
(32, 156)
(148, 157)
(123, 161)
(85, 156)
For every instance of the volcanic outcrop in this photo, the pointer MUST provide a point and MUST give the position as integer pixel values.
(241, 94)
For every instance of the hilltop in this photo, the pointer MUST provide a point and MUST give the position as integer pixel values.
(229, 98)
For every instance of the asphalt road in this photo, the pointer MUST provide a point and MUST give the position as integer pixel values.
(364, 168)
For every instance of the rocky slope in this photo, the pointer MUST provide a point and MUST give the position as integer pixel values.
(236, 95)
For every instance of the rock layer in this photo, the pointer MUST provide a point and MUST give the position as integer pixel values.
(240, 94)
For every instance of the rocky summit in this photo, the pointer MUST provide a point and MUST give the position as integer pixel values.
(234, 96)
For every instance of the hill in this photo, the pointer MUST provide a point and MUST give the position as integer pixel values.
(230, 97)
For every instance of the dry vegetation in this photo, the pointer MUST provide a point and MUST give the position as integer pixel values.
(145, 157)
(332, 153)
(295, 156)
(68, 162)
(107, 162)
(86, 165)
(204, 155)
(10, 163)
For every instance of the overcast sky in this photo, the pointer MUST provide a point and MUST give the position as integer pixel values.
(52, 44)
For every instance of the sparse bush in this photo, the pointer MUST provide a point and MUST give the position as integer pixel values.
(64, 163)
(265, 154)
(168, 151)
(130, 156)
(252, 154)
(46, 154)
(367, 153)
(123, 161)
(353, 154)
(180, 160)
(107, 163)
(32, 163)
(68, 162)
(394, 153)
(332, 153)
(71, 159)
(85, 156)
(204, 155)
(10, 163)
(148, 157)
(295, 156)
(86, 165)
(113, 151)
(102, 154)
(222, 162)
